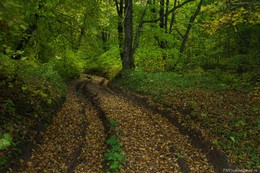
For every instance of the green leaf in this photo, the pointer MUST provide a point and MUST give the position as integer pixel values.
(255, 109)
(49, 101)
(232, 138)
(114, 165)
(6, 141)
(112, 140)
(8, 137)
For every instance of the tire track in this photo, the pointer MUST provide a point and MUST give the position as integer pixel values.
(74, 142)
(150, 144)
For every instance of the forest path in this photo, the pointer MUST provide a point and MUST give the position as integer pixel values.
(74, 142)
(76, 139)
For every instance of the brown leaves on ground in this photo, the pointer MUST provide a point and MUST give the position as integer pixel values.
(150, 142)
(91, 157)
(64, 136)
(226, 118)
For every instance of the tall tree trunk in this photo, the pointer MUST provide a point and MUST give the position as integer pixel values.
(166, 16)
(192, 19)
(128, 61)
(161, 13)
(120, 28)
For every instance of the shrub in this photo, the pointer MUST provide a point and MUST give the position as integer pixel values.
(70, 65)
(107, 63)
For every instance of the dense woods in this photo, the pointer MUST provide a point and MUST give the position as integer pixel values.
(154, 47)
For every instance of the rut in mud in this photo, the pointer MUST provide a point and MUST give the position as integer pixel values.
(76, 139)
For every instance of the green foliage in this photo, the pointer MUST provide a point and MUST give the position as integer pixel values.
(114, 154)
(5, 142)
(163, 82)
(149, 59)
(70, 65)
(39, 84)
(29, 90)
(107, 63)
(10, 105)
(112, 124)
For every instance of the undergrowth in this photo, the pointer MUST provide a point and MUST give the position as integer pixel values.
(114, 155)
(30, 91)
(106, 64)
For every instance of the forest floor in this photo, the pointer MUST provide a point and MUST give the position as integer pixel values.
(151, 140)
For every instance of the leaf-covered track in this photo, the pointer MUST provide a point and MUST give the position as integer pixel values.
(74, 142)
(150, 142)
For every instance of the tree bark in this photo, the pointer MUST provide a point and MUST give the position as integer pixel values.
(161, 13)
(166, 17)
(128, 61)
(120, 28)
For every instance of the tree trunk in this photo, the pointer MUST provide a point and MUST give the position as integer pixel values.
(192, 19)
(128, 61)
(120, 29)
(161, 13)
(166, 17)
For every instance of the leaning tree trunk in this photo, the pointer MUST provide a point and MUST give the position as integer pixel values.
(192, 19)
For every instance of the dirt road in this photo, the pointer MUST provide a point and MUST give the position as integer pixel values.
(151, 142)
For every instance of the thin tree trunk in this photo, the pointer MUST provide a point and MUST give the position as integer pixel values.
(161, 13)
(139, 28)
(192, 19)
(166, 17)
(173, 17)
(120, 29)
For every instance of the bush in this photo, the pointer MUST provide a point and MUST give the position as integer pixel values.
(40, 84)
(107, 64)
(29, 91)
(70, 65)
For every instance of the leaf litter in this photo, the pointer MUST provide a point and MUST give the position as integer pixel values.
(148, 139)
(64, 136)
(150, 142)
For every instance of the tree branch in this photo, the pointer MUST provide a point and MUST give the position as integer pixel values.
(169, 12)
(139, 28)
